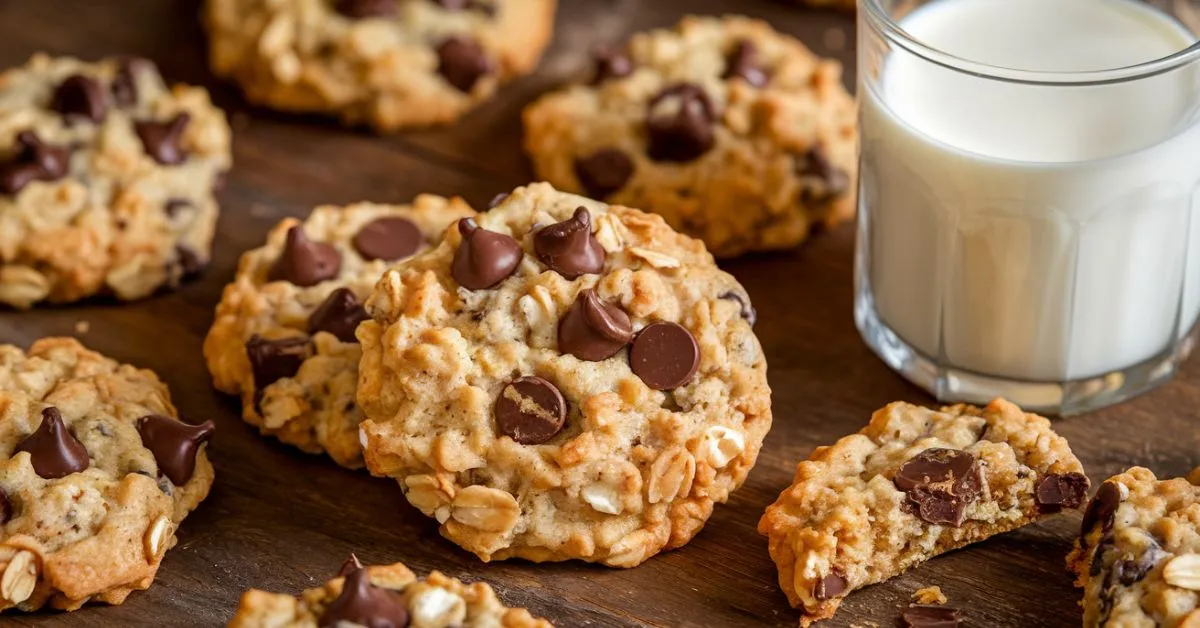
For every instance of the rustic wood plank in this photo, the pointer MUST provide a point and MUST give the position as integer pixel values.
(282, 520)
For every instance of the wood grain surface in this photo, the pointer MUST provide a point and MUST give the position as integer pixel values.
(281, 520)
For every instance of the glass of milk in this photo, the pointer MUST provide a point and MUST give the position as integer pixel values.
(1028, 203)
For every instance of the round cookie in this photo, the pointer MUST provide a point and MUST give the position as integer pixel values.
(96, 474)
(107, 180)
(383, 596)
(387, 63)
(734, 133)
(283, 337)
(563, 380)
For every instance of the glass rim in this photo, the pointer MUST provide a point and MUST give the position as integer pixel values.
(882, 21)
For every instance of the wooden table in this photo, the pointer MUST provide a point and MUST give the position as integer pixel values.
(281, 520)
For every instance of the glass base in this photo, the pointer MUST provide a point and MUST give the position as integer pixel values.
(951, 385)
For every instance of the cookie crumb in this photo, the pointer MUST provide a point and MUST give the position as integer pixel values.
(82, 327)
(929, 595)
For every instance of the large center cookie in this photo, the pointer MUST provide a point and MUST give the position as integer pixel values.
(96, 474)
(387, 63)
(563, 379)
(735, 133)
(107, 180)
(283, 337)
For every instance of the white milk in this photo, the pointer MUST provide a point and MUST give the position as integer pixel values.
(1030, 232)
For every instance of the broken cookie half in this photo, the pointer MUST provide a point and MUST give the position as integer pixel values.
(913, 484)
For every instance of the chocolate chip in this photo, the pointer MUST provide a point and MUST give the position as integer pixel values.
(484, 258)
(359, 9)
(191, 264)
(603, 172)
(497, 199)
(339, 315)
(530, 411)
(174, 444)
(569, 248)
(34, 161)
(80, 98)
(389, 238)
(664, 355)
(1131, 572)
(273, 360)
(162, 140)
(364, 604)
(830, 586)
(742, 63)
(611, 63)
(1098, 557)
(593, 330)
(6, 509)
(124, 84)
(748, 311)
(175, 205)
(462, 62)
(304, 262)
(929, 616)
(940, 484)
(1102, 509)
(53, 450)
(1056, 491)
(679, 123)
(834, 181)
(351, 565)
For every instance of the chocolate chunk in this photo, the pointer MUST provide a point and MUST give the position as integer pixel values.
(364, 604)
(834, 180)
(743, 63)
(929, 616)
(462, 62)
(53, 450)
(1102, 509)
(569, 248)
(1056, 491)
(174, 444)
(339, 315)
(603, 172)
(389, 238)
(530, 411)
(304, 262)
(592, 329)
(830, 586)
(1131, 572)
(273, 360)
(162, 140)
(940, 484)
(679, 123)
(34, 161)
(191, 264)
(497, 199)
(611, 63)
(359, 9)
(351, 565)
(664, 355)
(484, 258)
(6, 509)
(124, 84)
(80, 98)
(1099, 556)
(748, 311)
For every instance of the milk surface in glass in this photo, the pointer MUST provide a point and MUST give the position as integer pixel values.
(1024, 231)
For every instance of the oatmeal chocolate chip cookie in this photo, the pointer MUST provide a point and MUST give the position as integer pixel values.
(383, 596)
(913, 484)
(97, 472)
(1138, 554)
(107, 180)
(734, 133)
(283, 337)
(563, 379)
(386, 63)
